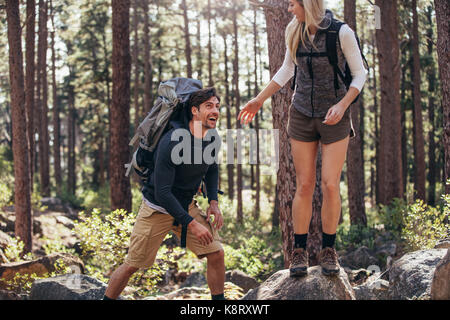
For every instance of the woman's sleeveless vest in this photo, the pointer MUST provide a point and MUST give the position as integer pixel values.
(315, 90)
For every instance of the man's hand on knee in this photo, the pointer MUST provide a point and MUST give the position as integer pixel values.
(200, 232)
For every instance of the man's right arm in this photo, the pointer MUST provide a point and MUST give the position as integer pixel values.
(164, 177)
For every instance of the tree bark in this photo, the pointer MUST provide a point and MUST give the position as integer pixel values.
(315, 227)
(355, 160)
(148, 66)
(256, 88)
(30, 83)
(187, 39)
(199, 51)
(237, 103)
(419, 145)
(390, 179)
(120, 108)
(56, 118)
(22, 190)
(230, 166)
(137, 115)
(277, 18)
(44, 147)
(210, 76)
(71, 137)
(375, 160)
(431, 77)
(443, 48)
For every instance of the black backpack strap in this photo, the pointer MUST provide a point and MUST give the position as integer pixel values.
(295, 78)
(332, 37)
(183, 233)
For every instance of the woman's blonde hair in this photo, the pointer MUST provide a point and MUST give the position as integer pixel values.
(296, 31)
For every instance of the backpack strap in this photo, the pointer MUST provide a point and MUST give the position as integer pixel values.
(332, 37)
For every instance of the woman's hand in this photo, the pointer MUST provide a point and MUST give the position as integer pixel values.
(335, 114)
(249, 111)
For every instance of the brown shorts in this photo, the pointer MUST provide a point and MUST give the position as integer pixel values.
(152, 226)
(307, 129)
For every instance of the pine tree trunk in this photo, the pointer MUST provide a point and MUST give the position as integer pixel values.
(137, 112)
(419, 144)
(187, 39)
(355, 161)
(375, 158)
(404, 125)
(390, 179)
(71, 137)
(30, 83)
(22, 189)
(56, 118)
(256, 88)
(210, 76)
(148, 66)
(431, 76)
(315, 227)
(120, 107)
(240, 213)
(230, 167)
(44, 148)
(443, 48)
(277, 18)
(376, 175)
(199, 52)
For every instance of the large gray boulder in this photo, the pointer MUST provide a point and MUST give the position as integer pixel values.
(40, 266)
(411, 276)
(374, 288)
(195, 279)
(241, 279)
(68, 287)
(314, 286)
(440, 287)
(443, 244)
(360, 258)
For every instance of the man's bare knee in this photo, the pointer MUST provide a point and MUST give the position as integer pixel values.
(216, 257)
(125, 269)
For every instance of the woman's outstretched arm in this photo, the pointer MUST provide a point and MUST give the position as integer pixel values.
(278, 81)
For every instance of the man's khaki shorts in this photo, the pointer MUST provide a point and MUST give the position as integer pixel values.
(307, 129)
(152, 226)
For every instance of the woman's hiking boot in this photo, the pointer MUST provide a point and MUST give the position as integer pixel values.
(299, 263)
(329, 262)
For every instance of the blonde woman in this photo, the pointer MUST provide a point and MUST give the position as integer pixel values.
(319, 112)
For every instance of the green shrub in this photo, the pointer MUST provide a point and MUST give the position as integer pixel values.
(354, 236)
(104, 239)
(424, 225)
(392, 216)
(22, 283)
(253, 257)
(417, 225)
(99, 199)
(6, 195)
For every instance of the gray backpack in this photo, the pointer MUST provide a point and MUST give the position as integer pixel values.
(172, 97)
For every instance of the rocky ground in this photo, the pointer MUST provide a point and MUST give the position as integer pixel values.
(384, 273)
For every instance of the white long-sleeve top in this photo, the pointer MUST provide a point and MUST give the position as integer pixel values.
(349, 47)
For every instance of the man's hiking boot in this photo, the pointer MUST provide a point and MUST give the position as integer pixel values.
(329, 262)
(299, 262)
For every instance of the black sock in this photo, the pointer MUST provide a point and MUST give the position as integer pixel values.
(300, 240)
(328, 240)
(218, 297)
(106, 298)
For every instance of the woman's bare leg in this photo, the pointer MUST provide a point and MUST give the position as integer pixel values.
(304, 155)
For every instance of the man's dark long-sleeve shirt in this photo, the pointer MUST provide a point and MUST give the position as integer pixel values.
(172, 185)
